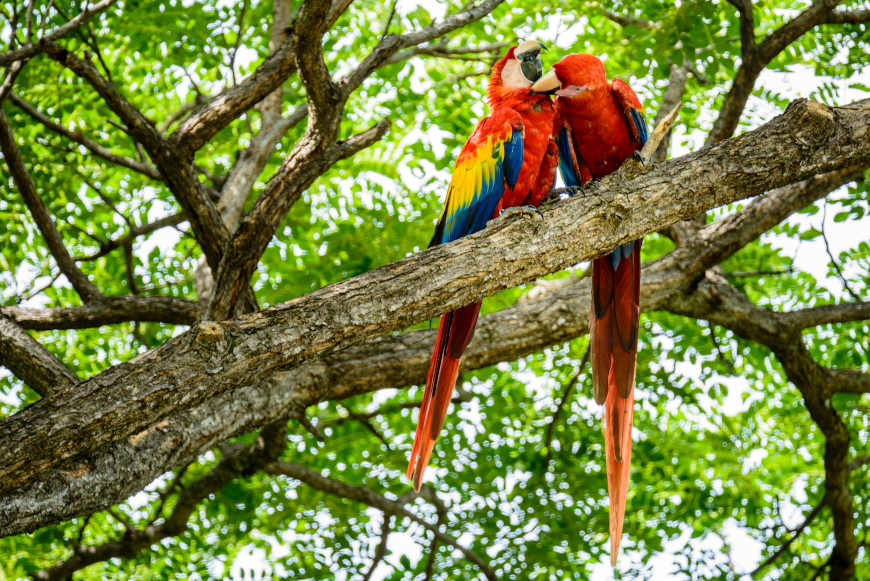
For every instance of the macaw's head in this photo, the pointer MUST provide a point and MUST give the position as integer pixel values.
(516, 71)
(573, 75)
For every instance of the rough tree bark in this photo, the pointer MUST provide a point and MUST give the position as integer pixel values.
(135, 397)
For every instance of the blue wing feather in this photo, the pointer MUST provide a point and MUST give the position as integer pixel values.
(566, 159)
(640, 123)
(478, 184)
(513, 158)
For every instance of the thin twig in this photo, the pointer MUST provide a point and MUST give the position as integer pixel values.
(566, 393)
(834, 262)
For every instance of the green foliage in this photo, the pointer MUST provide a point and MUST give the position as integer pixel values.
(723, 441)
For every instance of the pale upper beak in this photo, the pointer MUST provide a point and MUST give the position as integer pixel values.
(549, 83)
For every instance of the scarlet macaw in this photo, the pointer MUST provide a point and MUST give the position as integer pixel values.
(599, 126)
(509, 160)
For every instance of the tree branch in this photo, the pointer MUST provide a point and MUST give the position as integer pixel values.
(109, 311)
(828, 314)
(719, 302)
(747, 28)
(212, 359)
(197, 129)
(84, 287)
(856, 16)
(29, 50)
(762, 54)
(31, 362)
(135, 232)
(315, 152)
(629, 20)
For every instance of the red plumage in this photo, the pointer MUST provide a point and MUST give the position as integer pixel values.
(604, 123)
(514, 108)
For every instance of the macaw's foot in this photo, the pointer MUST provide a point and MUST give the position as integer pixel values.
(636, 156)
(524, 210)
(571, 191)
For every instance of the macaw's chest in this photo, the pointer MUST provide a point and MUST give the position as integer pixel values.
(600, 135)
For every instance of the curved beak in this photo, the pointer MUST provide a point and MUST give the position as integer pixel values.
(547, 84)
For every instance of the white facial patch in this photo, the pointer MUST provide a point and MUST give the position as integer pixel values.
(512, 75)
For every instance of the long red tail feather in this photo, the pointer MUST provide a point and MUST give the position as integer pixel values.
(613, 340)
(454, 334)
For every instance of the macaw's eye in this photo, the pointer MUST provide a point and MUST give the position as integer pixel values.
(531, 65)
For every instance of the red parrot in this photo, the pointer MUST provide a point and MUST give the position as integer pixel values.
(509, 160)
(599, 126)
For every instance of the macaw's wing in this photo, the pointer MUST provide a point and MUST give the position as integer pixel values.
(632, 110)
(569, 166)
(489, 162)
(573, 169)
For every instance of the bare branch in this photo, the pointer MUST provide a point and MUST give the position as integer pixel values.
(827, 314)
(391, 44)
(662, 129)
(833, 260)
(856, 16)
(761, 55)
(135, 232)
(108, 311)
(31, 362)
(83, 286)
(673, 96)
(381, 551)
(9, 80)
(566, 393)
(29, 50)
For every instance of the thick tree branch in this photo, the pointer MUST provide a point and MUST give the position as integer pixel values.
(83, 286)
(375, 500)
(108, 311)
(231, 354)
(747, 28)
(256, 229)
(417, 288)
(209, 230)
(31, 362)
(29, 50)
(207, 226)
